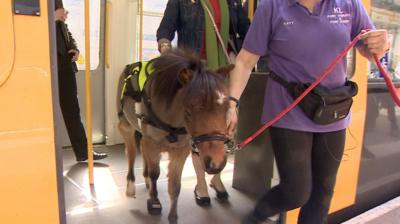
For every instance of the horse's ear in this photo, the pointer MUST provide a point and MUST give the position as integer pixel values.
(225, 70)
(185, 76)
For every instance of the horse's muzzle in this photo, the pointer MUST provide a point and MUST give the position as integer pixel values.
(211, 168)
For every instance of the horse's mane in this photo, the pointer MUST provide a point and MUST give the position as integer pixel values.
(200, 91)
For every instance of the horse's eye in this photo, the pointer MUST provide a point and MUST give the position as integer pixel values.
(187, 120)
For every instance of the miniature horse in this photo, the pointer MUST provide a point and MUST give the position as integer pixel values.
(182, 105)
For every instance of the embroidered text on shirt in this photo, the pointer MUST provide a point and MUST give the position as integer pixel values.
(338, 16)
(287, 23)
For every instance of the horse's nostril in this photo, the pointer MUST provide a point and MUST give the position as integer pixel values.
(208, 163)
(211, 165)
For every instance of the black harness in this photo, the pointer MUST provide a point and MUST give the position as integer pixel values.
(151, 118)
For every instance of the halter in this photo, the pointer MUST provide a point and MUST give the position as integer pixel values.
(196, 140)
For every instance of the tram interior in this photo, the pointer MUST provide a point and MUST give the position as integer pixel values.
(114, 43)
(41, 182)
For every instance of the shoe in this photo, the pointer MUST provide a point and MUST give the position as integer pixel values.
(201, 201)
(96, 156)
(221, 195)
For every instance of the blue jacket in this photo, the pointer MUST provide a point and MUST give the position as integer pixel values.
(187, 19)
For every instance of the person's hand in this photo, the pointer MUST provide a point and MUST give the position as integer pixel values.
(75, 54)
(66, 12)
(164, 47)
(60, 15)
(376, 41)
(231, 120)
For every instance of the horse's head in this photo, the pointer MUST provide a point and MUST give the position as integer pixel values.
(206, 104)
(180, 76)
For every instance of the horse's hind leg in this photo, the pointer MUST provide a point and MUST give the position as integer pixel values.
(152, 155)
(128, 135)
(146, 173)
(177, 159)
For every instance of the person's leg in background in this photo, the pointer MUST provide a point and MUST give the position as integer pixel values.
(292, 151)
(327, 153)
(71, 113)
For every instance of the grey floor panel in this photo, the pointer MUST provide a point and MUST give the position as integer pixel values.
(106, 203)
(392, 217)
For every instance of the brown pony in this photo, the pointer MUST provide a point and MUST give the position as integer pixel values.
(183, 105)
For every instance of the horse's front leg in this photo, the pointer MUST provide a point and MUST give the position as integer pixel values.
(152, 155)
(200, 191)
(175, 167)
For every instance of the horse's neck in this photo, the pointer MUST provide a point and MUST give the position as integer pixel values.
(173, 115)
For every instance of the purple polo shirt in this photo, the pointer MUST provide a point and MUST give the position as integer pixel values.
(300, 46)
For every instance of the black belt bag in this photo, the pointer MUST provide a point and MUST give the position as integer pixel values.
(322, 105)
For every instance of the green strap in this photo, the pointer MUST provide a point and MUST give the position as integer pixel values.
(142, 74)
(215, 54)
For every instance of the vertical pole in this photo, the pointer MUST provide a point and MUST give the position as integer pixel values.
(107, 35)
(140, 29)
(250, 9)
(88, 93)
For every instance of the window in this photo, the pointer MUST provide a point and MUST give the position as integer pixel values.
(152, 15)
(386, 14)
(76, 25)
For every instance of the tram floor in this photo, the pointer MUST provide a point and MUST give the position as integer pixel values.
(106, 203)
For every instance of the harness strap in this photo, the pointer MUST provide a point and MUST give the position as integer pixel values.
(153, 120)
(132, 82)
(280, 80)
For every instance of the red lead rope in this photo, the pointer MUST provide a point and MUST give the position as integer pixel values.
(388, 81)
(392, 89)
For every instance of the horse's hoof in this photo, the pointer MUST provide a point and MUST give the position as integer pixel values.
(202, 201)
(154, 207)
(221, 195)
(131, 189)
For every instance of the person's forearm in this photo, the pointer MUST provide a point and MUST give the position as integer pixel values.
(241, 73)
(238, 80)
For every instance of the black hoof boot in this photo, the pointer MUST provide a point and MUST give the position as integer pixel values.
(202, 201)
(154, 207)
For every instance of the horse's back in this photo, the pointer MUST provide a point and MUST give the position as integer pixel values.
(131, 110)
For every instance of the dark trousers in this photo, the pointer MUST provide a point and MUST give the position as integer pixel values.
(70, 108)
(307, 164)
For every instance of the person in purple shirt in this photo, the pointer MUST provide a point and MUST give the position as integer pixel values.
(300, 39)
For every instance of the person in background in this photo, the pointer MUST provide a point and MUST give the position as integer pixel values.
(67, 55)
(196, 32)
(300, 39)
